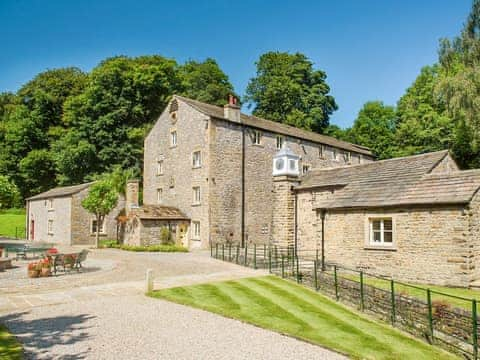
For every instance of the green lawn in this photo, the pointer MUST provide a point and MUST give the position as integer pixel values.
(9, 347)
(288, 308)
(11, 219)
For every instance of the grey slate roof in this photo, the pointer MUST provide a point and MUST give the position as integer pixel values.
(158, 212)
(61, 191)
(393, 182)
(275, 127)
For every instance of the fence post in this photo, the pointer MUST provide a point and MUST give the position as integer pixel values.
(394, 311)
(474, 329)
(254, 256)
(236, 257)
(430, 313)
(246, 254)
(223, 252)
(336, 281)
(362, 300)
(283, 266)
(315, 274)
(216, 251)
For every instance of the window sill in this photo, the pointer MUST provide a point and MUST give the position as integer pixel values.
(197, 167)
(173, 146)
(51, 210)
(197, 204)
(160, 174)
(195, 239)
(101, 234)
(384, 248)
(258, 145)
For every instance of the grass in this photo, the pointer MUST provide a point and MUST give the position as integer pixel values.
(287, 308)
(11, 219)
(151, 248)
(419, 291)
(9, 347)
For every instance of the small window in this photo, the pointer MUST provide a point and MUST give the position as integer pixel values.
(280, 141)
(159, 196)
(381, 232)
(93, 227)
(359, 159)
(334, 154)
(173, 138)
(50, 227)
(257, 137)
(196, 195)
(196, 229)
(50, 204)
(197, 159)
(347, 156)
(321, 152)
(160, 167)
(305, 169)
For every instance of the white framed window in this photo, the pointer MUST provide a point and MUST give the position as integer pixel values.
(159, 195)
(197, 159)
(280, 141)
(196, 195)
(173, 138)
(50, 227)
(93, 227)
(381, 232)
(50, 204)
(257, 137)
(347, 156)
(196, 229)
(305, 168)
(160, 167)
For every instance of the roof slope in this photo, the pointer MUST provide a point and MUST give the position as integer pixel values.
(158, 212)
(61, 191)
(276, 127)
(401, 181)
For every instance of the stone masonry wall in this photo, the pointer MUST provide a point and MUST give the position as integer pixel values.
(179, 177)
(473, 213)
(283, 225)
(81, 221)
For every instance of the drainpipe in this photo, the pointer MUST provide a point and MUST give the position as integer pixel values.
(243, 187)
(323, 212)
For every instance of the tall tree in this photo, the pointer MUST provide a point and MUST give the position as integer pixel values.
(288, 89)
(205, 81)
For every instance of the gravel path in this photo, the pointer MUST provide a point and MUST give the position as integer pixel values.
(138, 327)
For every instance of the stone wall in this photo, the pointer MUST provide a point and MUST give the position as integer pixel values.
(447, 165)
(60, 213)
(473, 214)
(81, 221)
(179, 177)
(283, 226)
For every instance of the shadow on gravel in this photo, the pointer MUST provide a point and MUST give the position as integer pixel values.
(38, 336)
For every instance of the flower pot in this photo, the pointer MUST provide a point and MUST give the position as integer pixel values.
(33, 273)
(46, 272)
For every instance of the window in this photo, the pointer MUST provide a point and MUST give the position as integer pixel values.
(159, 196)
(305, 168)
(334, 154)
(381, 232)
(197, 159)
(196, 229)
(321, 152)
(50, 204)
(280, 141)
(173, 138)
(347, 156)
(160, 167)
(93, 227)
(50, 227)
(257, 136)
(196, 195)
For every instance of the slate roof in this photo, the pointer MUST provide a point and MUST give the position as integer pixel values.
(61, 191)
(393, 182)
(275, 127)
(158, 212)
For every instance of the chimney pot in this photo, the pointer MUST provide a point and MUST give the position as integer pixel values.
(231, 110)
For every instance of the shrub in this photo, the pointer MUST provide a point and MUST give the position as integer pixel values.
(109, 244)
(166, 236)
(154, 248)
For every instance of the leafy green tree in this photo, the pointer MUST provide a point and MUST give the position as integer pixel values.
(101, 199)
(374, 128)
(37, 172)
(287, 89)
(205, 81)
(9, 194)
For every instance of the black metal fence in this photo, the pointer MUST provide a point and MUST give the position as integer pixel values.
(443, 319)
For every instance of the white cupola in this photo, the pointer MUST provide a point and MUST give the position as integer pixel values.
(285, 163)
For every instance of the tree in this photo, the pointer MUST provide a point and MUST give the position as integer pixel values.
(205, 81)
(101, 199)
(9, 195)
(287, 89)
(374, 128)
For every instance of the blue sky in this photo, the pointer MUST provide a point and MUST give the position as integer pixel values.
(370, 49)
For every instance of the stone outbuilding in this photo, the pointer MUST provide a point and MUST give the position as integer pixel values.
(415, 218)
(57, 216)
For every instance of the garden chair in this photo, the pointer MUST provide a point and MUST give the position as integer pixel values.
(82, 256)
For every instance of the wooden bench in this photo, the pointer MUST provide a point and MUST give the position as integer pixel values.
(5, 264)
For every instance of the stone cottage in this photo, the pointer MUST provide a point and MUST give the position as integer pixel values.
(415, 218)
(57, 216)
(214, 164)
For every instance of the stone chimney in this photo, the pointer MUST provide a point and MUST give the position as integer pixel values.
(131, 193)
(231, 111)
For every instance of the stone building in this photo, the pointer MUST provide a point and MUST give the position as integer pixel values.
(415, 218)
(214, 165)
(57, 216)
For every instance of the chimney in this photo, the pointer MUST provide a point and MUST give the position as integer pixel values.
(231, 111)
(133, 188)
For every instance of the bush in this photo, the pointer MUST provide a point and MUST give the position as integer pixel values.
(166, 236)
(108, 244)
(151, 248)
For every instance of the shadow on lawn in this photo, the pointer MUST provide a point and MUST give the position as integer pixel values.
(40, 335)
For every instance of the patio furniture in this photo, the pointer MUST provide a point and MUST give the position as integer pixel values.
(5, 264)
(82, 256)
